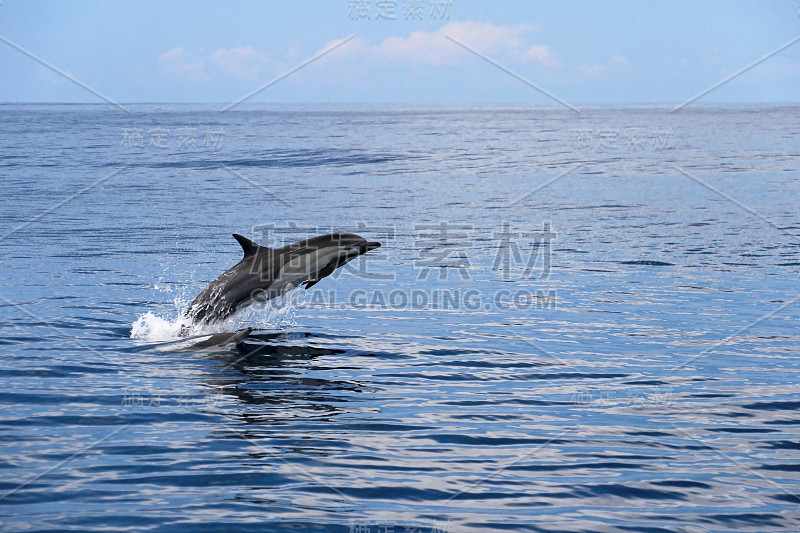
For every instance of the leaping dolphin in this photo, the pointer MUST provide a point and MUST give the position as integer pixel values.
(266, 273)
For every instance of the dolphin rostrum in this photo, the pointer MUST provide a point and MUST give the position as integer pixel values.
(266, 273)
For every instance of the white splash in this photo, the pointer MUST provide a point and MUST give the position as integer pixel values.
(276, 314)
(151, 327)
(161, 326)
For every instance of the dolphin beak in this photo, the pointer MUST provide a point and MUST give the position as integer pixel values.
(367, 246)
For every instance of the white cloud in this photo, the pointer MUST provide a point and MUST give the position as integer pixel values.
(619, 60)
(504, 42)
(436, 49)
(179, 61)
(542, 54)
(510, 43)
(616, 62)
(241, 62)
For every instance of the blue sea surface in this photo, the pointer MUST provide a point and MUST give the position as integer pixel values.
(576, 322)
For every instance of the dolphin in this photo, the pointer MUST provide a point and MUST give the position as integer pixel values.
(265, 273)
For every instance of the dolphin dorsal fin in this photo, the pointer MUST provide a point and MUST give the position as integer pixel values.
(248, 246)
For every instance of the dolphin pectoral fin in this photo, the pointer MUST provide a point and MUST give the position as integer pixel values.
(249, 247)
(326, 271)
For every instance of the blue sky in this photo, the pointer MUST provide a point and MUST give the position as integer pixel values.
(580, 51)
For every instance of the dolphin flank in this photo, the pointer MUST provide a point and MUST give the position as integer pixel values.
(265, 273)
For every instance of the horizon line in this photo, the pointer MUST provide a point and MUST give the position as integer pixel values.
(427, 102)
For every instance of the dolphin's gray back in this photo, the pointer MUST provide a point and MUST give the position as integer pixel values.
(321, 241)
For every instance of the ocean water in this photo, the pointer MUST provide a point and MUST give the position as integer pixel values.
(577, 322)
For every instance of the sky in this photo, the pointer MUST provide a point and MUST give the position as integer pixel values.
(413, 51)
